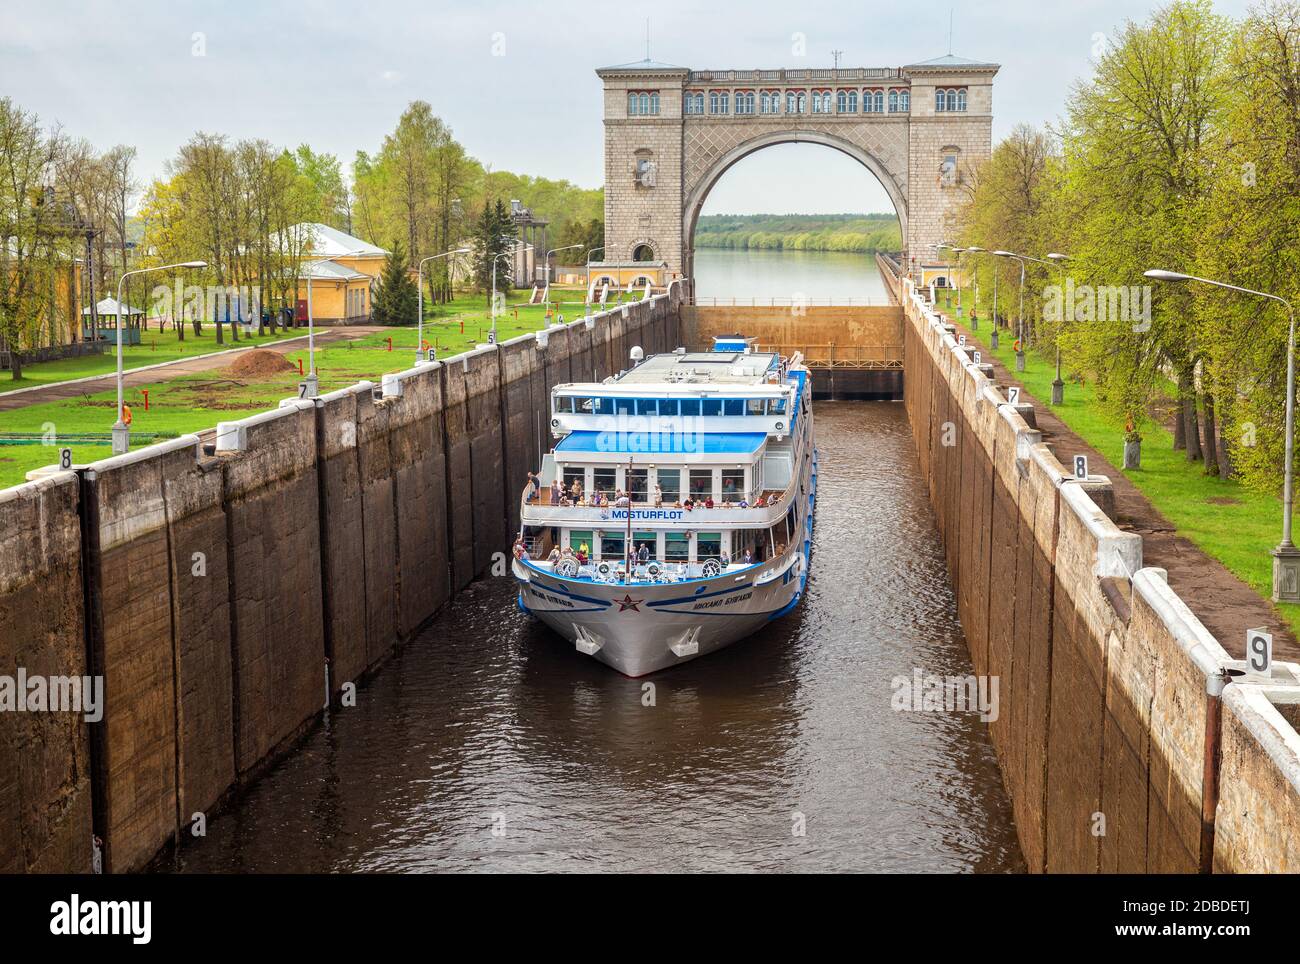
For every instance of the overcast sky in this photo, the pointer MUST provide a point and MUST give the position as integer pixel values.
(513, 79)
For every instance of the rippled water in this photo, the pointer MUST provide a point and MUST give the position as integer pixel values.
(488, 721)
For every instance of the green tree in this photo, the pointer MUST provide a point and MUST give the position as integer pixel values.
(494, 235)
(396, 299)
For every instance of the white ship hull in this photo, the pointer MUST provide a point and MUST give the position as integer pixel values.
(640, 628)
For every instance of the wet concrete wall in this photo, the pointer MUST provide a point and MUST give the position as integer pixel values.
(44, 757)
(1106, 677)
(217, 589)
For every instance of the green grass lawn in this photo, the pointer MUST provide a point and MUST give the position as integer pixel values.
(159, 347)
(155, 348)
(192, 403)
(1233, 524)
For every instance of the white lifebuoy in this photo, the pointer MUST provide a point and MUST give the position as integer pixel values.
(567, 568)
(711, 568)
(603, 569)
(653, 569)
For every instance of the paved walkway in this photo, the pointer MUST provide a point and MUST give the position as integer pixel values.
(1225, 604)
(75, 388)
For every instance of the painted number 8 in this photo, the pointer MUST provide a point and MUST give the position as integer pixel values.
(65, 458)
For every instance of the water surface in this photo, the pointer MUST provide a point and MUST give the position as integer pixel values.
(490, 722)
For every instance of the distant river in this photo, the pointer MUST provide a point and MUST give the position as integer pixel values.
(762, 275)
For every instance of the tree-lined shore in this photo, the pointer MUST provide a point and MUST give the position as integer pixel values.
(233, 203)
(1181, 152)
(854, 233)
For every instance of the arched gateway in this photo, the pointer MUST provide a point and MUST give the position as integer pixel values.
(671, 132)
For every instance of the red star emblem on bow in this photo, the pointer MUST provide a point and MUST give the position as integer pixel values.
(627, 602)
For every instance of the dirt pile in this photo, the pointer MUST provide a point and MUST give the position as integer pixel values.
(260, 363)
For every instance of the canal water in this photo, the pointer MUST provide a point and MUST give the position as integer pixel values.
(760, 276)
(488, 743)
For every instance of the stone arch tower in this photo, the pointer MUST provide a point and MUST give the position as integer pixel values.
(672, 132)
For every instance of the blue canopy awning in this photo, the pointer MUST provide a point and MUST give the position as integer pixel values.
(680, 443)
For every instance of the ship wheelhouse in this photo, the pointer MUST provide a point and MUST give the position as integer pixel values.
(682, 465)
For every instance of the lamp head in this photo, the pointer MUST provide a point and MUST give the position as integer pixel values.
(1057, 257)
(1159, 274)
(194, 264)
(1004, 254)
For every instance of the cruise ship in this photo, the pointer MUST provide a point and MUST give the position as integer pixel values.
(674, 514)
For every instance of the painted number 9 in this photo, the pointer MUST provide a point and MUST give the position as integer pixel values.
(1259, 651)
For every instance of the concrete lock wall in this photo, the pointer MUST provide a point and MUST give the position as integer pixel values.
(1105, 675)
(44, 757)
(215, 587)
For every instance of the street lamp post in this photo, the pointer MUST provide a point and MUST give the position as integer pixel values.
(975, 306)
(1286, 557)
(589, 254)
(419, 273)
(548, 259)
(1058, 386)
(122, 432)
(958, 252)
(312, 381)
(1020, 313)
(504, 254)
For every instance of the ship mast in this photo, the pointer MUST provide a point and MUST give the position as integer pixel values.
(627, 544)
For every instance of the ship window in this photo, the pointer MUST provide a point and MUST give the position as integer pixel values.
(648, 540)
(708, 545)
(564, 403)
(670, 483)
(604, 481)
(636, 484)
(573, 474)
(734, 406)
(584, 405)
(701, 483)
(690, 406)
(733, 485)
(611, 545)
(754, 406)
(647, 406)
(677, 547)
(580, 540)
(668, 406)
(603, 406)
(625, 406)
(778, 406)
(712, 406)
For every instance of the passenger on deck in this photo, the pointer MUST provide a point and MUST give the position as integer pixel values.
(659, 496)
(557, 493)
(708, 503)
(643, 554)
(520, 550)
(749, 557)
(554, 557)
(532, 489)
(622, 502)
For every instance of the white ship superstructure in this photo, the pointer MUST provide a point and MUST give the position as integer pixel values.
(674, 514)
